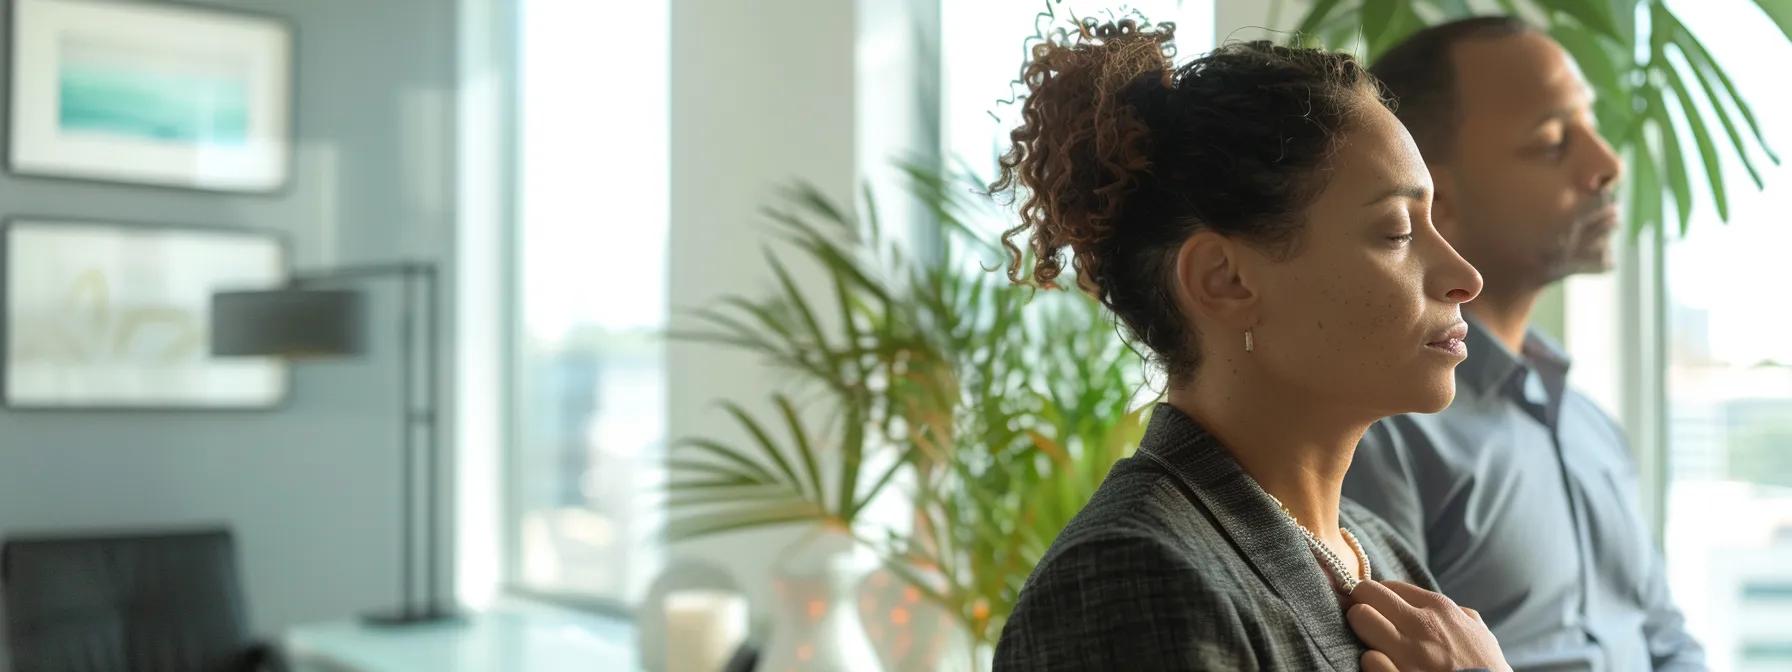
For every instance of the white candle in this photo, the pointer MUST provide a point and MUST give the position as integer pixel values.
(703, 628)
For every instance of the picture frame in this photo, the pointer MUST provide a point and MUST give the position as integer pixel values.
(113, 315)
(150, 93)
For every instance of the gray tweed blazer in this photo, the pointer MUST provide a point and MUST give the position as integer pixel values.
(1181, 562)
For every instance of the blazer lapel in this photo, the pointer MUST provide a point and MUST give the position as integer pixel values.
(1255, 526)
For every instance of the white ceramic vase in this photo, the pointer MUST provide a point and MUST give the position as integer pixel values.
(815, 621)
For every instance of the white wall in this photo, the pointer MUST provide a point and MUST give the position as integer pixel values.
(761, 94)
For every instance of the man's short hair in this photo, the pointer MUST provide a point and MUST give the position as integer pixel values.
(1420, 74)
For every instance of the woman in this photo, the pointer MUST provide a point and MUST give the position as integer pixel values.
(1259, 220)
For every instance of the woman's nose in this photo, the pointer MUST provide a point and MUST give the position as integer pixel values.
(1455, 278)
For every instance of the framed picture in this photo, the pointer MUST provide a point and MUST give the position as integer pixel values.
(157, 94)
(108, 315)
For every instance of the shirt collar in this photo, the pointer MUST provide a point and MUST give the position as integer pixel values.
(1490, 364)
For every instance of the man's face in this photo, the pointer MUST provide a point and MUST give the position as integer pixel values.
(1527, 194)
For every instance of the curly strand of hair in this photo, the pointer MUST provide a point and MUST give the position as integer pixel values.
(1079, 149)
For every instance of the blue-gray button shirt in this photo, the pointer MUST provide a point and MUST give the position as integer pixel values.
(1521, 498)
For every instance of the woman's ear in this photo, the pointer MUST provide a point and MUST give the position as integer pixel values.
(1211, 282)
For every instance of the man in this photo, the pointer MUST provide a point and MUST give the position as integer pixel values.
(1521, 497)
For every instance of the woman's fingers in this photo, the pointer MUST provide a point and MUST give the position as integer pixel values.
(1420, 630)
(1372, 627)
(1390, 605)
(1416, 596)
(1376, 661)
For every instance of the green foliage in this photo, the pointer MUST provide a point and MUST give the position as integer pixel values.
(999, 407)
(1655, 81)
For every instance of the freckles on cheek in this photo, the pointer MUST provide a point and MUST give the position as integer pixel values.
(1390, 315)
(1370, 323)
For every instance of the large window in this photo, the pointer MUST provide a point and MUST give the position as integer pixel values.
(588, 418)
(1729, 378)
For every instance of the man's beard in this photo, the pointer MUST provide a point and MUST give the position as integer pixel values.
(1586, 245)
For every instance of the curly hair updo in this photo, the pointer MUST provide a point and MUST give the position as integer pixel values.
(1122, 155)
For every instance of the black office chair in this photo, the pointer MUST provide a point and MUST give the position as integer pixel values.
(143, 602)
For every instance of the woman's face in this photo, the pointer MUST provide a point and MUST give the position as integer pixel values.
(1366, 312)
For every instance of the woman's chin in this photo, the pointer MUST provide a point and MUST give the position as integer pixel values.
(1437, 396)
(1434, 395)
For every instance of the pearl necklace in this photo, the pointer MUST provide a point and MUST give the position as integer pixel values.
(1347, 580)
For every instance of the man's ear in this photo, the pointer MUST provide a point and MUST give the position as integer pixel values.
(1211, 281)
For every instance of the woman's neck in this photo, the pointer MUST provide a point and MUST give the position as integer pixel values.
(1293, 449)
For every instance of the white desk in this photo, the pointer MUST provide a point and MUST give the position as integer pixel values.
(511, 637)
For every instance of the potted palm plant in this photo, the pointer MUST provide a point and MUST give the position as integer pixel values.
(992, 410)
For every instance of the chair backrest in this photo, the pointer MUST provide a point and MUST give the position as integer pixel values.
(142, 602)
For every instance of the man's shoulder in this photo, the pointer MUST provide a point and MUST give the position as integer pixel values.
(1580, 404)
(1587, 426)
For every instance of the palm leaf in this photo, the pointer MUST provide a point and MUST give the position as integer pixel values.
(834, 258)
(1587, 51)
(766, 446)
(1645, 189)
(793, 297)
(1454, 9)
(1623, 13)
(703, 525)
(730, 498)
(871, 218)
(1717, 106)
(764, 314)
(733, 341)
(803, 448)
(712, 482)
(729, 454)
(1707, 66)
(852, 456)
(796, 228)
(882, 481)
(1590, 14)
(1378, 16)
(1742, 154)
(1714, 169)
(1780, 12)
(1315, 16)
(685, 465)
(810, 197)
(1671, 157)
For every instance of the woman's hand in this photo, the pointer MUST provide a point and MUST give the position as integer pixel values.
(1410, 629)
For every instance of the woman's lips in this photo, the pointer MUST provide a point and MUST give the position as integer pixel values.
(1453, 346)
(1450, 340)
